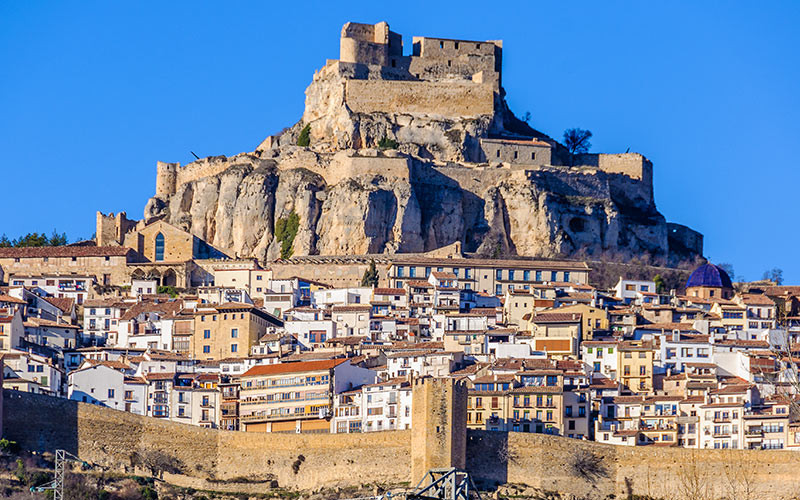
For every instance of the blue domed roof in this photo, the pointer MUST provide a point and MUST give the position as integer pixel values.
(711, 276)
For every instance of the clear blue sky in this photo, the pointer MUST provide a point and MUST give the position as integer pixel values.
(93, 93)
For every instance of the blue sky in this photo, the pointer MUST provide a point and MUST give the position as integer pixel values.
(93, 93)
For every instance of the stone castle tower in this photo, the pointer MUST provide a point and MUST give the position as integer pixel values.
(439, 425)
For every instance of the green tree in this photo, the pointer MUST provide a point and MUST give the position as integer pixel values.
(659, 281)
(31, 240)
(56, 239)
(304, 139)
(169, 290)
(370, 277)
(285, 231)
(5, 242)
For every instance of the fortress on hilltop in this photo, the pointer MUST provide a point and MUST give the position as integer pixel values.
(411, 150)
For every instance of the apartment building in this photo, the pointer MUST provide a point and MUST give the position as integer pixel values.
(373, 407)
(296, 397)
(635, 370)
(101, 321)
(530, 401)
(488, 275)
(229, 330)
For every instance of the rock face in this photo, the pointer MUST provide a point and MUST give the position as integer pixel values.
(433, 182)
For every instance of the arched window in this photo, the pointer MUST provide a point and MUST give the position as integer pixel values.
(159, 247)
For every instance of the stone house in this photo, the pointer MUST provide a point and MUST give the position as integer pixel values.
(228, 330)
(635, 370)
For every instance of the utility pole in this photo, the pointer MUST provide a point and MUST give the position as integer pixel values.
(57, 484)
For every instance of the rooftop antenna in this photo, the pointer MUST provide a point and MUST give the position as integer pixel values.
(197, 157)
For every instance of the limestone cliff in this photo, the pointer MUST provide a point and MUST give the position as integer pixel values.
(456, 166)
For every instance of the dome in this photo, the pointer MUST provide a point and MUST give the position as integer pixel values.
(709, 275)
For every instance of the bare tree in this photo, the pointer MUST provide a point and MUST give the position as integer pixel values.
(157, 462)
(576, 140)
(740, 475)
(693, 479)
(588, 466)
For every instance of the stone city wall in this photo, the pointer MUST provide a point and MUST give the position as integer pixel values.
(452, 99)
(109, 437)
(302, 461)
(545, 462)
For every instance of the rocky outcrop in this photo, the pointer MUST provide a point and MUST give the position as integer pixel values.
(494, 212)
(430, 187)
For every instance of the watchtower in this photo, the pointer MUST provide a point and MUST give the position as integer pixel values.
(439, 425)
(166, 179)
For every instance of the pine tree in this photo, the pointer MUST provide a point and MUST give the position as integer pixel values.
(370, 277)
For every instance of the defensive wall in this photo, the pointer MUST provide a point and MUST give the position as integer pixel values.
(451, 99)
(171, 175)
(546, 462)
(309, 461)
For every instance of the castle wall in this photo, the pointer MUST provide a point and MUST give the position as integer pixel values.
(369, 43)
(630, 176)
(686, 237)
(435, 58)
(450, 99)
(171, 175)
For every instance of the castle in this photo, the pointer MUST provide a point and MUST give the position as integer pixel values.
(430, 119)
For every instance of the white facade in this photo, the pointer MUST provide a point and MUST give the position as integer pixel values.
(627, 290)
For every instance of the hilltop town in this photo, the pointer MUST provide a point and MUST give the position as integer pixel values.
(419, 234)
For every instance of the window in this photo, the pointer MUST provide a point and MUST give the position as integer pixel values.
(234, 347)
(538, 276)
(412, 272)
(566, 275)
(206, 334)
(111, 393)
(642, 371)
(526, 275)
(400, 271)
(427, 271)
(234, 333)
(553, 276)
(510, 274)
(596, 366)
(206, 349)
(498, 274)
(498, 289)
(159, 247)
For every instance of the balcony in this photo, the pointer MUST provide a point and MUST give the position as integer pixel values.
(754, 432)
